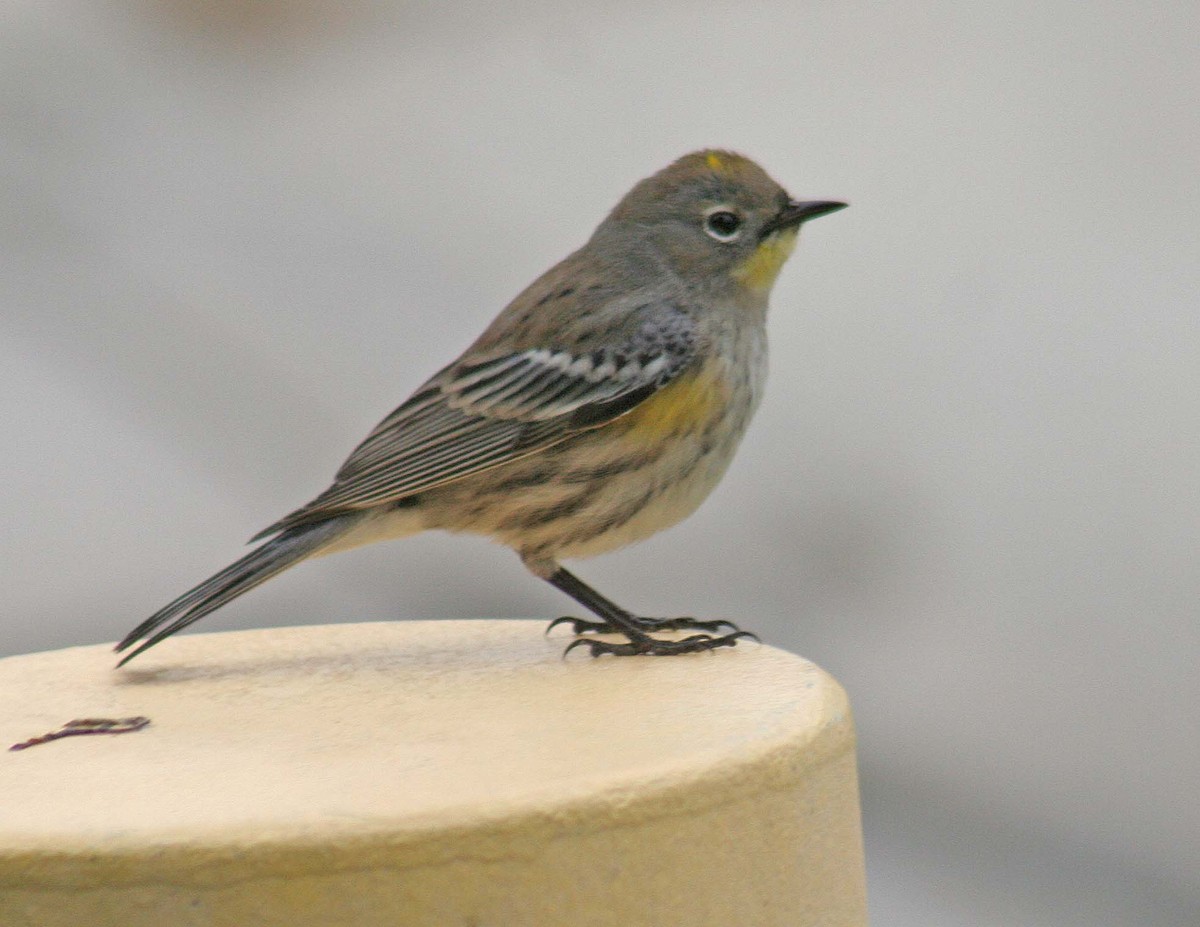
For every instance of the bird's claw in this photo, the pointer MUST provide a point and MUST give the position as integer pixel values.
(651, 646)
(648, 625)
(687, 624)
(580, 625)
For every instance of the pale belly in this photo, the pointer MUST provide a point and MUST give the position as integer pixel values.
(678, 498)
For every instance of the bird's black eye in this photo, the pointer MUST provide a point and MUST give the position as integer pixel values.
(723, 225)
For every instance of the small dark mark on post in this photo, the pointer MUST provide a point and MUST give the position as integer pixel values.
(82, 726)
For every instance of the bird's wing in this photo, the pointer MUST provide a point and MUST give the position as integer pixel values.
(482, 412)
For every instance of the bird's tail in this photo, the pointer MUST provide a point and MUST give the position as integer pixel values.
(273, 557)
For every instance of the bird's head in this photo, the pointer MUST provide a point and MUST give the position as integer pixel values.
(716, 218)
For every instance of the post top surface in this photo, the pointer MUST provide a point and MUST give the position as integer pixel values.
(396, 728)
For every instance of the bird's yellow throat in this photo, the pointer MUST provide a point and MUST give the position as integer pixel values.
(758, 272)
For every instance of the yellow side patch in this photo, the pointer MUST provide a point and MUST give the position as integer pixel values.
(758, 272)
(715, 161)
(684, 406)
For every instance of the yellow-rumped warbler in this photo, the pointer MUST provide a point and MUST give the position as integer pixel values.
(600, 407)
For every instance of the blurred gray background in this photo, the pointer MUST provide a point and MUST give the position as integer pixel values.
(234, 235)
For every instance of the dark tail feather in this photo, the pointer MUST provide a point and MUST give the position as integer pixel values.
(255, 568)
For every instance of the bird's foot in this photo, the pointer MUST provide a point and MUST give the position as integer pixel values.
(649, 625)
(652, 646)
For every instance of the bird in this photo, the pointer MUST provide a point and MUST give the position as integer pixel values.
(601, 406)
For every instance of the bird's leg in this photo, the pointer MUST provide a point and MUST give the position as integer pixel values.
(615, 618)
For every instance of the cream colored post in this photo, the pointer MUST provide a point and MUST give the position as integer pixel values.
(440, 774)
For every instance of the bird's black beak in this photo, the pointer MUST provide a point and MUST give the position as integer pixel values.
(796, 212)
